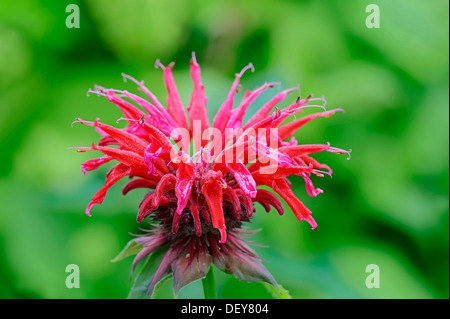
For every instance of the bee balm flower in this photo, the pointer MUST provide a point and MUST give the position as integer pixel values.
(199, 200)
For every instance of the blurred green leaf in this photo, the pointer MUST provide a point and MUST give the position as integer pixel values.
(140, 288)
(132, 248)
(280, 293)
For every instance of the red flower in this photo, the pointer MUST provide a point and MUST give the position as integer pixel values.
(199, 201)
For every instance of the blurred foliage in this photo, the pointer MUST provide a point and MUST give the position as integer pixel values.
(388, 205)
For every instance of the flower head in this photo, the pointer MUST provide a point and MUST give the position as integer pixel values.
(199, 199)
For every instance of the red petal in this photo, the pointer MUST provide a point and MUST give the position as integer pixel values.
(166, 184)
(146, 206)
(130, 141)
(159, 137)
(271, 172)
(212, 191)
(174, 104)
(128, 158)
(185, 179)
(138, 183)
(238, 115)
(116, 173)
(299, 150)
(289, 129)
(246, 201)
(243, 177)
(223, 115)
(264, 112)
(282, 188)
(230, 195)
(268, 198)
(95, 163)
(128, 109)
(197, 109)
(158, 115)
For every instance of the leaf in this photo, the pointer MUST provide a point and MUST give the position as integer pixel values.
(158, 285)
(141, 284)
(132, 248)
(281, 293)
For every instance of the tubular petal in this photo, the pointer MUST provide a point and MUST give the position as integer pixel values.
(243, 177)
(264, 112)
(185, 179)
(213, 195)
(238, 115)
(245, 200)
(128, 158)
(282, 188)
(289, 129)
(174, 104)
(166, 184)
(300, 150)
(223, 115)
(95, 163)
(115, 174)
(266, 197)
(138, 183)
(197, 109)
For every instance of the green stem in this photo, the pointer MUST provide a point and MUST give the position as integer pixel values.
(209, 285)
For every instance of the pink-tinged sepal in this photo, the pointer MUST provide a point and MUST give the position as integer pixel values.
(193, 263)
(238, 259)
(150, 246)
(165, 267)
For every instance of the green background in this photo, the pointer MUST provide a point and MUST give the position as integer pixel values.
(387, 206)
